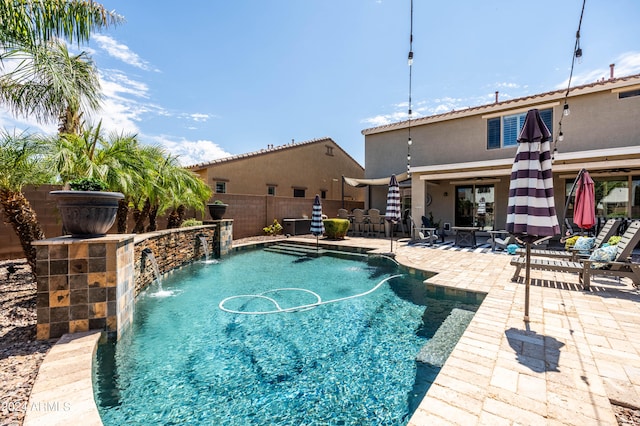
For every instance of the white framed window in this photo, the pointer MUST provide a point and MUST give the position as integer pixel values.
(502, 132)
(221, 187)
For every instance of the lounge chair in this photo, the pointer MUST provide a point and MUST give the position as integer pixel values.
(608, 230)
(620, 266)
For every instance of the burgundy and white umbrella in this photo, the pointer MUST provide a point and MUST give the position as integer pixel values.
(393, 213)
(531, 212)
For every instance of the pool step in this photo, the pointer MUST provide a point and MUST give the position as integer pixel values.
(295, 250)
(309, 250)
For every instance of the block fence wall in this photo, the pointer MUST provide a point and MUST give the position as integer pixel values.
(250, 214)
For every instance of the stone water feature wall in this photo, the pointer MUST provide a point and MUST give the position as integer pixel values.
(91, 283)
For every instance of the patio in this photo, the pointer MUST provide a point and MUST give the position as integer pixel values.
(580, 351)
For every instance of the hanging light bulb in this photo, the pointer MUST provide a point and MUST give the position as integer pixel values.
(579, 54)
(566, 111)
(408, 157)
(560, 136)
(409, 142)
(410, 61)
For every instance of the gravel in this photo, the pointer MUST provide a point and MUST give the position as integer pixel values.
(21, 354)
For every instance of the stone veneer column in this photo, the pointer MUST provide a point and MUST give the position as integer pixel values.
(223, 237)
(84, 284)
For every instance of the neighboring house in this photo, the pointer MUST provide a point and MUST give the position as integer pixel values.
(299, 170)
(459, 157)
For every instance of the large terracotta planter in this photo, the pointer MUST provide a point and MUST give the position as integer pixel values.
(217, 211)
(87, 213)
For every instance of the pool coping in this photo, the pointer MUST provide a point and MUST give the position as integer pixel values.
(63, 391)
(488, 378)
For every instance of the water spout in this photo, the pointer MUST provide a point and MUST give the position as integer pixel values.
(147, 253)
(205, 246)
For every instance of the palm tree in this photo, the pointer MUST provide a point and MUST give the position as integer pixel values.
(21, 164)
(51, 85)
(186, 190)
(28, 23)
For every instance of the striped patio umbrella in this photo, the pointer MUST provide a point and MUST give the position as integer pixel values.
(584, 212)
(317, 225)
(393, 214)
(531, 212)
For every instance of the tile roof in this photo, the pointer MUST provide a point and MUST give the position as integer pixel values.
(269, 150)
(596, 86)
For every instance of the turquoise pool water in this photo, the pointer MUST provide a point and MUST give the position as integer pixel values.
(352, 362)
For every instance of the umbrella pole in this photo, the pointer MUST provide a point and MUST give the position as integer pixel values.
(527, 280)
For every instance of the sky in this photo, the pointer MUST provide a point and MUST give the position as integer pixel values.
(208, 79)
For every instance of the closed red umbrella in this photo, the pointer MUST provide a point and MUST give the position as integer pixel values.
(584, 212)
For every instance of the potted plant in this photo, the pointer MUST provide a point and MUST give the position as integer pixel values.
(87, 209)
(217, 209)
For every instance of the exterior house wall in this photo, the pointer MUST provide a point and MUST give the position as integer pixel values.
(314, 166)
(601, 133)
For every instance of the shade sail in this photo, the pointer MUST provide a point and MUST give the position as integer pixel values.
(360, 183)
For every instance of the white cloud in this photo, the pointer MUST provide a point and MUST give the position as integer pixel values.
(121, 52)
(625, 65)
(199, 117)
(189, 152)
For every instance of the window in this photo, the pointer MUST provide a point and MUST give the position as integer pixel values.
(329, 150)
(629, 94)
(271, 190)
(298, 192)
(503, 131)
(323, 194)
(221, 187)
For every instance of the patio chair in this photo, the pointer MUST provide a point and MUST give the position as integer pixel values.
(424, 234)
(360, 223)
(343, 214)
(608, 230)
(376, 222)
(621, 265)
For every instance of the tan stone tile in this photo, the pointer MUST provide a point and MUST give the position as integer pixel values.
(58, 298)
(42, 331)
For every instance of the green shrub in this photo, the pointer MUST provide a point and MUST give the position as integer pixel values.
(274, 229)
(190, 222)
(336, 229)
(570, 242)
(87, 184)
(614, 240)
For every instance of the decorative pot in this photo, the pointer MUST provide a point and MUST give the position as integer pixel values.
(87, 213)
(217, 210)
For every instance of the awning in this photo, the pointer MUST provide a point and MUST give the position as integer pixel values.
(359, 183)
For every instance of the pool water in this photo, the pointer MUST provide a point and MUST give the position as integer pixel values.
(351, 362)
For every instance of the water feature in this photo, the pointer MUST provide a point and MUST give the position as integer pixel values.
(350, 362)
(205, 246)
(147, 254)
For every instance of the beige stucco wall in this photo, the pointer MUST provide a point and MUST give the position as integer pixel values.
(598, 120)
(306, 166)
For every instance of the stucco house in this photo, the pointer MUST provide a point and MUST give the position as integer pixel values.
(296, 169)
(280, 182)
(463, 158)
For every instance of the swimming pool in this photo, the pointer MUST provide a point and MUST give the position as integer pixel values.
(351, 362)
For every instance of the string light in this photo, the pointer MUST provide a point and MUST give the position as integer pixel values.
(410, 63)
(576, 56)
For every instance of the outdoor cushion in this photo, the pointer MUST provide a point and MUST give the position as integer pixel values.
(603, 254)
(584, 244)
